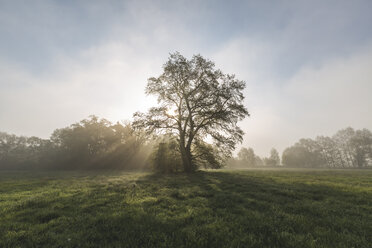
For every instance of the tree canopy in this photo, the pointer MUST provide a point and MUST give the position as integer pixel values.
(196, 102)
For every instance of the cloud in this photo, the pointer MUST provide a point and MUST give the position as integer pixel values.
(314, 101)
(336, 95)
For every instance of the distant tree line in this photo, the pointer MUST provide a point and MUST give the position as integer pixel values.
(96, 143)
(247, 158)
(92, 143)
(348, 148)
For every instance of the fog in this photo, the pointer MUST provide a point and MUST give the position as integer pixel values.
(306, 64)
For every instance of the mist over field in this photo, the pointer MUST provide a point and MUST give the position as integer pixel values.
(185, 123)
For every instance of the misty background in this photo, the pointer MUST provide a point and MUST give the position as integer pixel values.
(307, 65)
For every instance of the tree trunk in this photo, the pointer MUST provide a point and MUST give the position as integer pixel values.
(186, 159)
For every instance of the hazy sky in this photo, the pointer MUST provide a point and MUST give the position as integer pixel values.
(307, 64)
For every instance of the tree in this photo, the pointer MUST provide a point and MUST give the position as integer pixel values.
(362, 147)
(196, 101)
(343, 141)
(274, 157)
(329, 151)
(273, 160)
(247, 156)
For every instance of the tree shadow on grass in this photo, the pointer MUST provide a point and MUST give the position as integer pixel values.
(238, 209)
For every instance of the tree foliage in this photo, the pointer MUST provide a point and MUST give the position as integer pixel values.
(247, 156)
(166, 157)
(273, 159)
(22, 152)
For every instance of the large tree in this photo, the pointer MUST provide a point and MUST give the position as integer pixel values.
(196, 102)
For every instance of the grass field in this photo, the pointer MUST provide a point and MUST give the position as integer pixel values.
(251, 208)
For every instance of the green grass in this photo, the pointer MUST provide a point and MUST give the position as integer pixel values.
(252, 208)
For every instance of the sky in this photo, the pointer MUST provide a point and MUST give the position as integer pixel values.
(307, 64)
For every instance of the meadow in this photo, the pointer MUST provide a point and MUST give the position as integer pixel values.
(225, 208)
